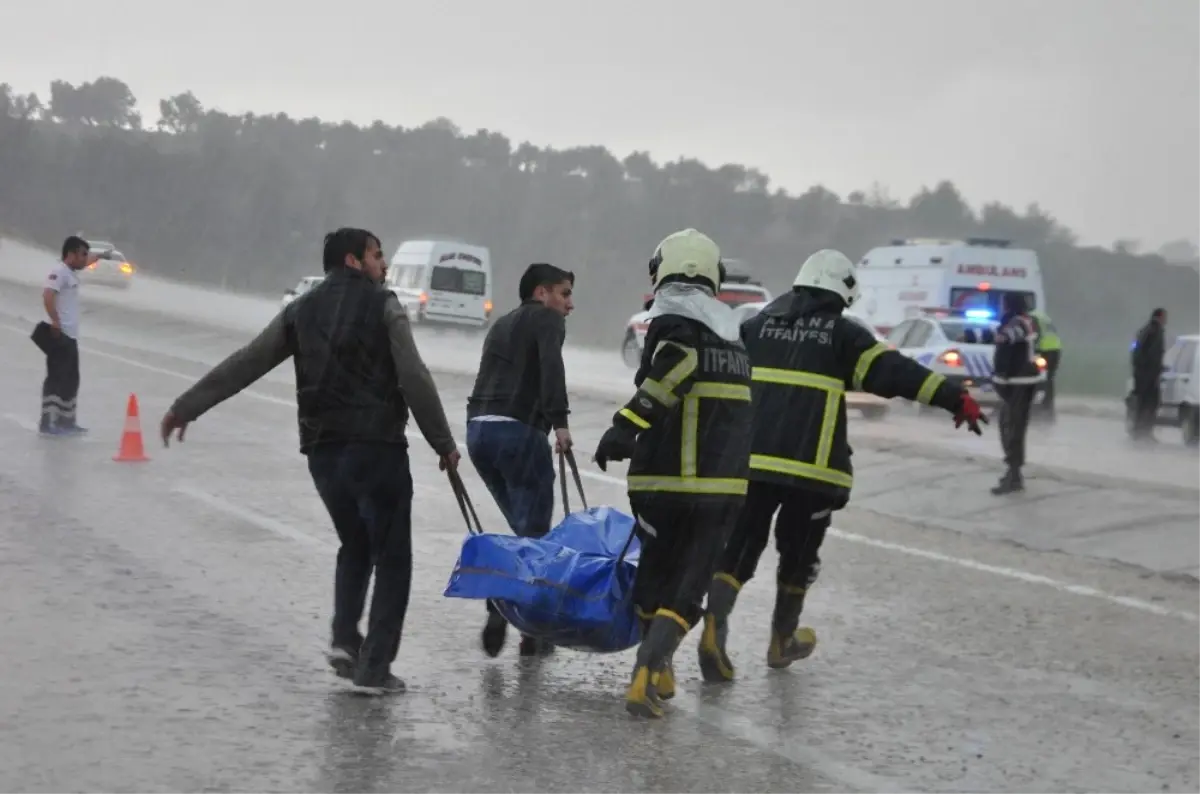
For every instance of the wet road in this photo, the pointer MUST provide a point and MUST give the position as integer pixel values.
(164, 626)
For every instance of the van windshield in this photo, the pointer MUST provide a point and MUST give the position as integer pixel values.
(455, 279)
(986, 304)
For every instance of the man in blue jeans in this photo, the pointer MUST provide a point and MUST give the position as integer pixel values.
(358, 373)
(520, 394)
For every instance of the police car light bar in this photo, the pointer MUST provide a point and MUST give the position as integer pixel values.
(978, 314)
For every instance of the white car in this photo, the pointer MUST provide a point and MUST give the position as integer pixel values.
(957, 344)
(304, 285)
(732, 294)
(111, 268)
(870, 405)
(1179, 405)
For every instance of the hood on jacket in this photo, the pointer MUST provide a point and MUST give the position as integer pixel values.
(802, 301)
(696, 303)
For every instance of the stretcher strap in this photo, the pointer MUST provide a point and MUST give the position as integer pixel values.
(464, 503)
(565, 458)
(628, 543)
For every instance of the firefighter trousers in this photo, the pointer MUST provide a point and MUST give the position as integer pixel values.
(1014, 422)
(800, 529)
(682, 538)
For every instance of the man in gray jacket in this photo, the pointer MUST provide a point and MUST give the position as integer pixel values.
(358, 372)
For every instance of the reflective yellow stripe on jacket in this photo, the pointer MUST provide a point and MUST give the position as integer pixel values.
(689, 480)
(835, 391)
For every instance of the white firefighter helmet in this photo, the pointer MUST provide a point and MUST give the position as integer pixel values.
(687, 256)
(832, 271)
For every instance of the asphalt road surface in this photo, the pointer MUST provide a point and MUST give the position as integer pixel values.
(164, 621)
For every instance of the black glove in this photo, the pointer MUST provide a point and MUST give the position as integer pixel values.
(616, 444)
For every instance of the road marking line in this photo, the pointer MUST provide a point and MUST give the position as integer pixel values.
(252, 517)
(1009, 573)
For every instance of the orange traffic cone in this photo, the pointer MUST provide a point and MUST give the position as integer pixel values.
(131, 450)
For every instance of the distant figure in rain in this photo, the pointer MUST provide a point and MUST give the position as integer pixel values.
(1147, 363)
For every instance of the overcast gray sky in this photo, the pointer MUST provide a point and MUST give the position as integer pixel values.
(1090, 107)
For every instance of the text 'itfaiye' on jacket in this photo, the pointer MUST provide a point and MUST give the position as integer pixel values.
(805, 357)
(691, 412)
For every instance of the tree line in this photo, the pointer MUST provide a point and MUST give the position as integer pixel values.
(242, 201)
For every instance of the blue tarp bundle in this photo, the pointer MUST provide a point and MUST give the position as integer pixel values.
(571, 587)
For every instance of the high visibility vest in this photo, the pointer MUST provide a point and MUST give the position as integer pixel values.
(1048, 338)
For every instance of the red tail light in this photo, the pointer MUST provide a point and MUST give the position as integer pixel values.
(951, 358)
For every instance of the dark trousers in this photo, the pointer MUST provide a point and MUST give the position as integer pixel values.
(367, 489)
(1053, 357)
(61, 386)
(800, 530)
(682, 539)
(1014, 421)
(515, 463)
(1146, 399)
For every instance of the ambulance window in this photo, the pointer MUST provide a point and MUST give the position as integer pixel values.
(919, 335)
(897, 334)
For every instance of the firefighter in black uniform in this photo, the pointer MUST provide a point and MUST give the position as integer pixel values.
(1016, 377)
(805, 357)
(687, 434)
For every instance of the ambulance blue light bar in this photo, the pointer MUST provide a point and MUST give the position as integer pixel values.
(978, 314)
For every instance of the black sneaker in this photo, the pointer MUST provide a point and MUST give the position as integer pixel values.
(494, 633)
(343, 660)
(378, 684)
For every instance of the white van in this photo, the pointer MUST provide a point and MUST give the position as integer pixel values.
(971, 276)
(443, 281)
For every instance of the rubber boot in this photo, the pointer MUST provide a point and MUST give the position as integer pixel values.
(715, 664)
(788, 642)
(1011, 482)
(664, 687)
(654, 653)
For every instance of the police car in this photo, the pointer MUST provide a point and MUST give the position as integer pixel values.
(739, 289)
(869, 405)
(1179, 390)
(304, 285)
(959, 344)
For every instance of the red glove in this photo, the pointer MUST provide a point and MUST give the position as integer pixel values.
(969, 412)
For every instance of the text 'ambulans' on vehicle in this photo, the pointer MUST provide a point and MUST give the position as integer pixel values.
(738, 289)
(970, 276)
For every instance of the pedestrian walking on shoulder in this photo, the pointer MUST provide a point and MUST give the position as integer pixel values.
(58, 338)
(520, 395)
(358, 373)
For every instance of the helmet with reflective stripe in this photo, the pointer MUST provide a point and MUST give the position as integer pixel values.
(687, 257)
(831, 271)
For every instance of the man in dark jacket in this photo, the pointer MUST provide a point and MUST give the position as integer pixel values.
(1147, 374)
(1016, 376)
(520, 394)
(358, 372)
(805, 357)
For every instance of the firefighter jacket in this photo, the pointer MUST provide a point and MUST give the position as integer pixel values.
(1014, 362)
(691, 413)
(805, 357)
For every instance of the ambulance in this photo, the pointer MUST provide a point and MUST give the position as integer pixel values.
(970, 276)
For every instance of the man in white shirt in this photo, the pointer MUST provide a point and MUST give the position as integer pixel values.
(59, 339)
